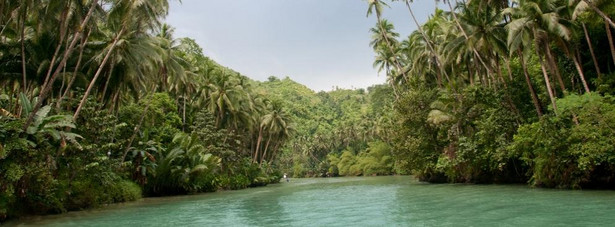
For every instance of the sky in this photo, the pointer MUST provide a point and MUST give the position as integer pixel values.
(322, 44)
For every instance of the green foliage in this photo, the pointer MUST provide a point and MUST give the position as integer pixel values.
(562, 153)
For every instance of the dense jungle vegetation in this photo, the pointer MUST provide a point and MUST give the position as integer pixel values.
(503, 91)
(100, 103)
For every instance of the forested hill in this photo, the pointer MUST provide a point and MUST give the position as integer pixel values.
(341, 124)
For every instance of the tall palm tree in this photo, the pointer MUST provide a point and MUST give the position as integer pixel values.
(375, 7)
(127, 18)
(584, 5)
(425, 38)
(67, 52)
(537, 21)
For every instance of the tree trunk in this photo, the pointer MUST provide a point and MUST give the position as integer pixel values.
(591, 50)
(45, 90)
(499, 71)
(580, 70)
(609, 35)
(102, 98)
(23, 48)
(258, 143)
(184, 114)
(546, 77)
(510, 77)
(115, 100)
(63, 31)
(480, 58)
(100, 68)
(72, 80)
(265, 151)
(535, 99)
(429, 45)
(607, 20)
(553, 65)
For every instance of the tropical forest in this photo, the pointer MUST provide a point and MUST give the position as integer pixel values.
(101, 103)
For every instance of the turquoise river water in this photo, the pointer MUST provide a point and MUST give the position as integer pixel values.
(360, 201)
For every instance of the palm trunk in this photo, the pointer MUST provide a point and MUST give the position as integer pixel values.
(258, 143)
(480, 58)
(609, 35)
(551, 61)
(102, 98)
(577, 65)
(499, 71)
(45, 90)
(23, 48)
(72, 80)
(606, 18)
(510, 77)
(530, 86)
(265, 151)
(184, 115)
(591, 49)
(100, 68)
(546, 76)
(63, 30)
(115, 99)
(429, 45)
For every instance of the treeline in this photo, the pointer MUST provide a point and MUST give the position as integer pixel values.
(342, 132)
(100, 104)
(501, 91)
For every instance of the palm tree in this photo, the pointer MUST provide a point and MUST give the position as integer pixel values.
(538, 22)
(375, 6)
(385, 59)
(425, 38)
(67, 52)
(129, 18)
(584, 5)
(277, 125)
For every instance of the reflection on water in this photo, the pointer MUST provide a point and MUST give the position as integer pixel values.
(364, 201)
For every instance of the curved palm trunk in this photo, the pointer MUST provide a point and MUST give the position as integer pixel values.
(480, 58)
(429, 45)
(591, 49)
(546, 77)
(606, 18)
(45, 90)
(535, 99)
(258, 143)
(63, 31)
(265, 151)
(576, 59)
(72, 80)
(100, 68)
(551, 61)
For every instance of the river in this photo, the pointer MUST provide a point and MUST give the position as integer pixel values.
(356, 201)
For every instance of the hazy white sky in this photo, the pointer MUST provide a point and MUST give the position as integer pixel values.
(319, 43)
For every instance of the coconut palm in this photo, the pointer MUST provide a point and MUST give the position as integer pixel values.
(537, 21)
(127, 19)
